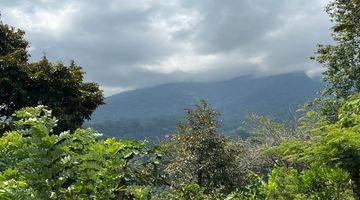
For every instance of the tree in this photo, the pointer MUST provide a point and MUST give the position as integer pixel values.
(265, 134)
(341, 60)
(62, 89)
(12, 42)
(13, 76)
(203, 156)
(59, 87)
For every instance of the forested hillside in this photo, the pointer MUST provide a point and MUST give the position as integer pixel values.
(152, 113)
(46, 154)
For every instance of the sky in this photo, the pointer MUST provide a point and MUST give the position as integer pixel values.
(128, 44)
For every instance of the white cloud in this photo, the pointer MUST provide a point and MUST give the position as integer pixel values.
(39, 20)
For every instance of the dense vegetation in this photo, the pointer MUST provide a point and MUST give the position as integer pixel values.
(45, 154)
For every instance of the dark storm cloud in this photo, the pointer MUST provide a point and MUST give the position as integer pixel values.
(229, 24)
(126, 44)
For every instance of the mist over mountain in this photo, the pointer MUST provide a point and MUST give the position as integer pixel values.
(151, 113)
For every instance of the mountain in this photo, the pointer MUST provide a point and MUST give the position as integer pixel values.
(152, 112)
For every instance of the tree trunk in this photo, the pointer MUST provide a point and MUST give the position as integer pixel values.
(355, 183)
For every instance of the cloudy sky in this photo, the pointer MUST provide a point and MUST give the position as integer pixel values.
(126, 44)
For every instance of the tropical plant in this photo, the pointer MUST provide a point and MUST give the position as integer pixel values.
(40, 165)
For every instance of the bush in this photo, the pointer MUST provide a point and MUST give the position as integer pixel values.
(314, 183)
(36, 164)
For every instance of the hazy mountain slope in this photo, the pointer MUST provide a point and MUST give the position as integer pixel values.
(152, 112)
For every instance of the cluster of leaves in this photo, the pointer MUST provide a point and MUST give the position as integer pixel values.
(36, 164)
(331, 145)
(314, 183)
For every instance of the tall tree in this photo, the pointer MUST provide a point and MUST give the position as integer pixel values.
(55, 85)
(342, 59)
(204, 156)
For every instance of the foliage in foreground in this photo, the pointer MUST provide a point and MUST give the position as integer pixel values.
(36, 164)
(332, 145)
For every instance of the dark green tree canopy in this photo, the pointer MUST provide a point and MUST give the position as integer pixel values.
(203, 155)
(59, 87)
(12, 42)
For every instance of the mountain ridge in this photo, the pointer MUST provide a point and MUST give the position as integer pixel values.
(163, 105)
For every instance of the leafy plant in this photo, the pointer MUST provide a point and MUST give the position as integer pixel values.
(42, 165)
